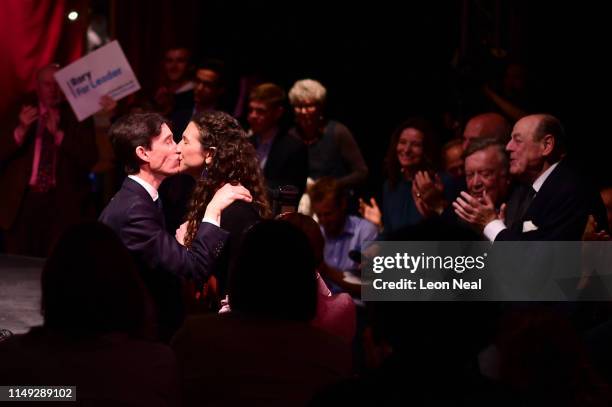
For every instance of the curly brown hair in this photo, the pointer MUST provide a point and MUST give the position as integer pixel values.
(234, 161)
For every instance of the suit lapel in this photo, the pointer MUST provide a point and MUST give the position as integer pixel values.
(512, 211)
(136, 189)
(273, 155)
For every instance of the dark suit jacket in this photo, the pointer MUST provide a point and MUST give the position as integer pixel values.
(559, 210)
(287, 162)
(76, 156)
(163, 262)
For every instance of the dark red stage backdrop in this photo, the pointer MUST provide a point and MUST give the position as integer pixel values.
(34, 33)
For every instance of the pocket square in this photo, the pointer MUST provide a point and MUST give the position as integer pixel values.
(528, 226)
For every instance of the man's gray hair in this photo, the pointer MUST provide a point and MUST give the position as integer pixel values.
(482, 143)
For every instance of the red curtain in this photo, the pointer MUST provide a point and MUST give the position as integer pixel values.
(34, 33)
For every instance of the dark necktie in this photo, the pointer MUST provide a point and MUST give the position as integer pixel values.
(46, 162)
(159, 205)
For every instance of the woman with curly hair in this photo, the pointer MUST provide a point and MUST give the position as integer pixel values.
(214, 150)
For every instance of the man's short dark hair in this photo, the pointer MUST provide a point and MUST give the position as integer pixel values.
(456, 142)
(131, 131)
(549, 124)
(268, 93)
(175, 47)
(326, 187)
(215, 65)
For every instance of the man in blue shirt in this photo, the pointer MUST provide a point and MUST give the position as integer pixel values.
(343, 233)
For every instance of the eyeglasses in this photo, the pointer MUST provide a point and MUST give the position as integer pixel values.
(305, 108)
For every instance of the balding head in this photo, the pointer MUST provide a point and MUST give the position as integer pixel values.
(492, 125)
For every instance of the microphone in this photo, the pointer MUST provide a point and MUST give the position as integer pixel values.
(355, 255)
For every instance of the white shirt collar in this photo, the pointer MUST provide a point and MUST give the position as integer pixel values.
(150, 188)
(186, 86)
(537, 184)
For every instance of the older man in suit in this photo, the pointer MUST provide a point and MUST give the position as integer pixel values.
(45, 160)
(551, 203)
(145, 145)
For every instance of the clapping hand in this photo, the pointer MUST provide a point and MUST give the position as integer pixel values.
(428, 194)
(370, 212)
(27, 115)
(475, 212)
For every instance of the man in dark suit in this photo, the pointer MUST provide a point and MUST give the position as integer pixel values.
(282, 157)
(144, 144)
(551, 202)
(45, 160)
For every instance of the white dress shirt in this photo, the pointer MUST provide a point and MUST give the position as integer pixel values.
(494, 227)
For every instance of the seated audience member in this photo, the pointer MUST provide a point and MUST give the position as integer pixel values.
(174, 96)
(452, 158)
(343, 233)
(486, 170)
(335, 312)
(97, 325)
(283, 157)
(332, 150)
(410, 152)
(264, 352)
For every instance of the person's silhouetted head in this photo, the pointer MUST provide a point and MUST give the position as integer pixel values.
(90, 285)
(274, 275)
(310, 228)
